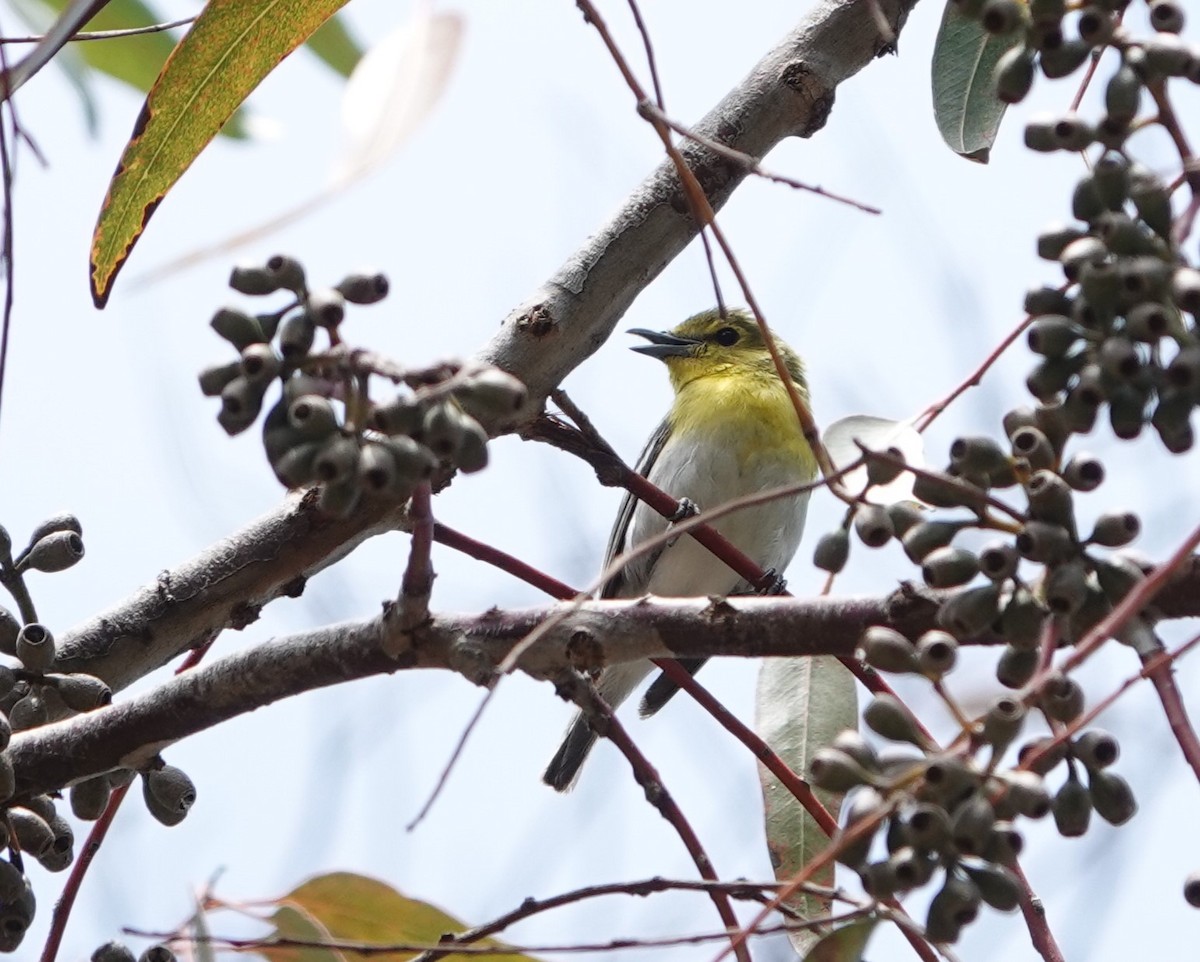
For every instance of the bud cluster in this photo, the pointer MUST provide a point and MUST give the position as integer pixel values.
(325, 428)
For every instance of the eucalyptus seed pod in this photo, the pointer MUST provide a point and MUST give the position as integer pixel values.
(955, 905)
(1066, 588)
(1112, 797)
(1062, 698)
(8, 786)
(35, 647)
(89, 798)
(81, 692)
(377, 469)
(977, 454)
(252, 280)
(853, 744)
(1031, 444)
(1185, 289)
(337, 460)
(326, 306)
(1052, 375)
(836, 771)
(1053, 335)
(927, 536)
(1044, 542)
(364, 288)
(1095, 26)
(1191, 889)
(949, 567)
(259, 364)
(472, 453)
(31, 831)
(1050, 499)
(157, 953)
(937, 652)
(1166, 16)
(17, 906)
(294, 466)
(1002, 17)
(402, 415)
(882, 470)
(1025, 793)
(237, 327)
(213, 379)
(928, 827)
(1117, 576)
(1016, 666)
(1171, 419)
(55, 552)
(168, 793)
(971, 611)
(1084, 472)
(1184, 369)
(491, 394)
(241, 402)
(947, 781)
(1111, 175)
(1052, 422)
(873, 525)
(1096, 749)
(1087, 250)
(944, 491)
(1014, 74)
(414, 462)
(1003, 721)
(1046, 300)
(1004, 844)
(312, 417)
(1072, 807)
(1115, 529)
(339, 498)
(62, 848)
(998, 561)
(879, 880)
(288, 273)
(1039, 134)
(1153, 203)
(10, 628)
(442, 430)
(1050, 752)
(886, 715)
(998, 885)
(1150, 321)
(971, 824)
(296, 335)
(55, 524)
(1065, 59)
(885, 649)
(904, 515)
(28, 712)
(1119, 358)
(864, 803)
(1127, 237)
(910, 868)
(832, 551)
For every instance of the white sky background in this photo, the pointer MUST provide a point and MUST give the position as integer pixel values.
(535, 143)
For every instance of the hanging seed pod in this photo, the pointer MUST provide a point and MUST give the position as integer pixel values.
(885, 649)
(927, 536)
(296, 335)
(1046, 300)
(1112, 797)
(337, 460)
(1022, 620)
(853, 744)
(1014, 74)
(1044, 542)
(1031, 443)
(213, 379)
(89, 798)
(971, 824)
(998, 886)
(886, 715)
(1066, 588)
(928, 827)
(836, 771)
(1042, 755)
(1096, 749)
(1025, 793)
(35, 647)
(492, 394)
(1062, 698)
(1072, 807)
(976, 455)
(832, 551)
(864, 803)
(1016, 666)
(1084, 472)
(1003, 845)
(366, 287)
(955, 905)
(1185, 289)
(237, 327)
(1095, 26)
(241, 402)
(1117, 576)
(1116, 529)
(259, 364)
(873, 525)
(169, 794)
(414, 462)
(948, 780)
(1003, 722)
(970, 612)
(472, 453)
(949, 567)
(937, 652)
(326, 306)
(1053, 335)
(998, 561)
(402, 415)
(904, 516)
(1050, 499)
(53, 552)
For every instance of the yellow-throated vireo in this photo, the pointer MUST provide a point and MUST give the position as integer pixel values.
(732, 431)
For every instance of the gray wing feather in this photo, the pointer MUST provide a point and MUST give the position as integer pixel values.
(620, 583)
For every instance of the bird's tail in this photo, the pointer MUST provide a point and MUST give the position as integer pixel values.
(564, 766)
(663, 689)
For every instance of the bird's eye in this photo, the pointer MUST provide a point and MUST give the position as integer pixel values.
(727, 336)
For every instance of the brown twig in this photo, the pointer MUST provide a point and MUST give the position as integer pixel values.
(109, 34)
(417, 583)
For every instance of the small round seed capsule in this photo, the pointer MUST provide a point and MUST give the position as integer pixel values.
(1025, 793)
(237, 327)
(1003, 722)
(1117, 576)
(1096, 749)
(337, 460)
(312, 417)
(1172, 422)
(213, 379)
(28, 712)
(1153, 203)
(885, 649)
(296, 335)
(1084, 472)
(886, 715)
(492, 394)
(472, 453)
(1016, 666)
(949, 567)
(1095, 26)
(17, 907)
(294, 467)
(1002, 17)
(1064, 60)
(35, 647)
(882, 470)
(873, 525)
(1052, 335)
(1191, 889)
(903, 515)
(1166, 16)
(62, 849)
(832, 551)
(928, 827)
(1184, 370)
(1003, 845)
(113, 952)
(376, 468)
(157, 953)
(998, 885)
(1112, 797)
(287, 272)
(1044, 542)
(1086, 202)
(1115, 529)
(947, 780)
(326, 306)
(81, 692)
(55, 552)
(89, 798)
(10, 628)
(252, 280)
(853, 744)
(970, 612)
(339, 498)
(442, 430)
(55, 524)
(976, 455)
(1042, 755)
(927, 536)
(1066, 588)
(836, 771)
(1185, 289)
(364, 288)
(32, 833)
(1087, 250)
(259, 363)
(1053, 375)
(971, 824)
(945, 491)
(998, 561)
(1046, 300)
(414, 462)
(1050, 499)
(402, 415)
(864, 803)
(241, 402)
(168, 793)
(1062, 698)
(1031, 443)
(937, 651)
(1119, 358)
(1014, 74)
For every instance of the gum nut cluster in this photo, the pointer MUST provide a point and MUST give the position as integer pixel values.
(33, 691)
(119, 952)
(324, 429)
(947, 817)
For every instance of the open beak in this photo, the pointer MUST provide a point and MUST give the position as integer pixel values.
(663, 345)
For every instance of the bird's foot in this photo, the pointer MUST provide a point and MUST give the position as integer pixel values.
(771, 583)
(687, 509)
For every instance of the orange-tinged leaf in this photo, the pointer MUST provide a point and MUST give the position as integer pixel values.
(346, 907)
(233, 45)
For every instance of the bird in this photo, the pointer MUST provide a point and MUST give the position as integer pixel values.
(731, 431)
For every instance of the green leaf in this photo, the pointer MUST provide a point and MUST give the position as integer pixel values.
(334, 44)
(354, 908)
(801, 704)
(965, 105)
(232, 46)
(845, 944)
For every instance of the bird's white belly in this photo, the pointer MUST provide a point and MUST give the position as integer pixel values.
(769, 533)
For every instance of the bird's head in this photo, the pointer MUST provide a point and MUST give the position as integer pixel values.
(710, 343)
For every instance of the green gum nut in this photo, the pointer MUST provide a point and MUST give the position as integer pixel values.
(886, 715)
(237, 327)
(326, 306)
(928, 536)
(1050, 499)
(1053, 335)
(998, 886)
(937, 652)
(414, 462)
(213, 379)
(259, 363)
(971, 824)
(998, 561)
(970, 612)
(56, 551)
(1112, 797)
(832, 551)
(1064, 60)
(312, 417)
(287, 272)
(836, 771)
(1014, 74)
(1031, 444)
(949, 567)
(1003, 722)
(366, 287)
(1084, 472)
(296, 335)
(1062, 698)
(294, 467)
(885, 649)
(1072, 807)
(1016, 666)
(1050, 753)
(472, 452)
(241, 402)
(253, 280)
(1095, 26)
(402, 415)
(1096, 749)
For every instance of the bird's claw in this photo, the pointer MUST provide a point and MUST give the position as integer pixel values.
(771, 583)
(687, 509)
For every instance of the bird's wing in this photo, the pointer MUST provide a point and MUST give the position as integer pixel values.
(618, 583)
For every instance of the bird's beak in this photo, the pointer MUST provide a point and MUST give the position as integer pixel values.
(663, 345)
